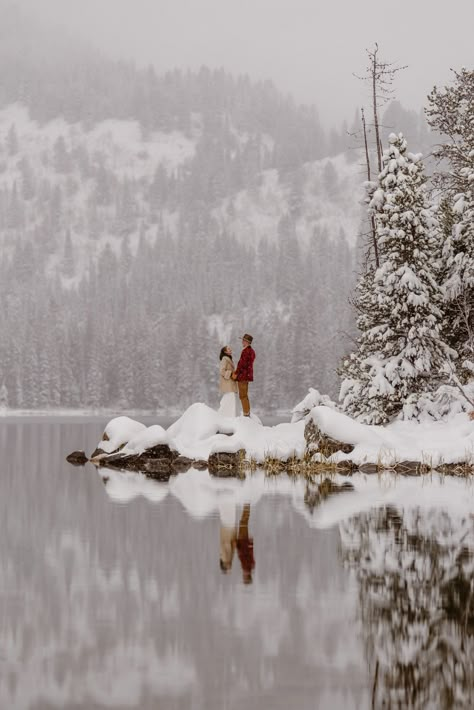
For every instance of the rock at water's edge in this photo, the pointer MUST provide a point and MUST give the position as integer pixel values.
(156, 462)
(318, 442)
(77, 458)
(224, 463)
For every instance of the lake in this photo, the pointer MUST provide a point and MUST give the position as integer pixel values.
(118, 591)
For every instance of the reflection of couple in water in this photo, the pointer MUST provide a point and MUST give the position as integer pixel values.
(233, 537)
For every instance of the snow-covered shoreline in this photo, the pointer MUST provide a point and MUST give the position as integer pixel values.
(202, 434)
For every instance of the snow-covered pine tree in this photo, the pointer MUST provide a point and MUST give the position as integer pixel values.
(354, 370)
(3, 396)
(451, 111)
(400, 351)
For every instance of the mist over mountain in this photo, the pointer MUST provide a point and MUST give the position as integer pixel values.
(147, 220)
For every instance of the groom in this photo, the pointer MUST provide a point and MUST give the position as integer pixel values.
(244, 373)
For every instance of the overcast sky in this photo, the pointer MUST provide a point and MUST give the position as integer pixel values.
(310, 48)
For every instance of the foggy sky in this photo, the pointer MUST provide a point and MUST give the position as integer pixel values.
(309, 48)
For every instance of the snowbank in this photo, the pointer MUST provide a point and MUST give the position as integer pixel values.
(118, 432)
(313, 399)
(432, 443)
(201, 432)
(146, 439)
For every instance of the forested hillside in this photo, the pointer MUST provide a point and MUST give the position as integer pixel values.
(146, 220)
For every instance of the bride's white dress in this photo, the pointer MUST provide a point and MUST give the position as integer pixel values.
(229, 404)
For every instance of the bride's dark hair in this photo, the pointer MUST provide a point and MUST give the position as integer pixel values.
(223, 353)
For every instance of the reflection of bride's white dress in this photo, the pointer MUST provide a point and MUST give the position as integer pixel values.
(229, 405)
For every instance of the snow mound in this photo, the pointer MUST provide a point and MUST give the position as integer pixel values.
(119, 431)
(146, 439)
(201, 431)
(314, 398)
(432, 443)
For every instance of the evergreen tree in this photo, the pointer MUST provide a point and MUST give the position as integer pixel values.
(12, 141)
(3, 396)
(450, 112)
(400, 350)
(27, 179)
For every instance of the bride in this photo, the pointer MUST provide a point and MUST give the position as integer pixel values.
(227, 386)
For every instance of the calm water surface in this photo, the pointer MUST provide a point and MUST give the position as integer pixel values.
(117, 591)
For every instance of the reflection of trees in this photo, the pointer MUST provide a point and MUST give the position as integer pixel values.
(415, 573)
(108, 605)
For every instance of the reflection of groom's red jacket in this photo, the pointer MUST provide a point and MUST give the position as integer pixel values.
(244, 543)
(244, 369)
(245, 553)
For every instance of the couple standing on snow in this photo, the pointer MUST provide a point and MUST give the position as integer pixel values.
(236, 380)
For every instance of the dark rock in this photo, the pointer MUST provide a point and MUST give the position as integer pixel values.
(77, 458)
(409, 468)
(369, 468)
(181, 464)
(155, 466)
(156, 461)
(327, 446)
(311, 435)
(224, 460)
(453, 469)
(346, 467)
(163, 477)
(121, 462)
(316, 441)
(315, 496)
(159, 469)
(226, 473)
(328, 487)
(200, 465)
(160, 451)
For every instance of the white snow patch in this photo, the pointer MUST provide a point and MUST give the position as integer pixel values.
(120, 431)
(434, 443)
(254, 214)
(145, 439)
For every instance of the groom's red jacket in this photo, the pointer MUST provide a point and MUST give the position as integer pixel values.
(245, 365)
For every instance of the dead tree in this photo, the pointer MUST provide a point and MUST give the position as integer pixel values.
(379, 75)
(372, 220)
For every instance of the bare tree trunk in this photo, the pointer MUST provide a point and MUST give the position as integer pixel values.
(366, 144)
(374, 102)
(372, 221)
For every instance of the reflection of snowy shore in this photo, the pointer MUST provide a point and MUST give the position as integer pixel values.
(202, 495)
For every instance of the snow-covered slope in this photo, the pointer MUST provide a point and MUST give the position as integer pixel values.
(324, 196)
(330, 203)
(121, 144)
